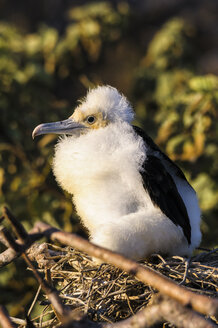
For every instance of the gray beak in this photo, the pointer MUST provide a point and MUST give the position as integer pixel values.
(62, 127)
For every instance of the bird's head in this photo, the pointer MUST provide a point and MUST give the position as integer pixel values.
(102, 106)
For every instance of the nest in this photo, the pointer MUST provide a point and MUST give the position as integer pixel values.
(105, 293)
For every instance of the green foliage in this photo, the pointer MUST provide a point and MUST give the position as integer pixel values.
(171, 46)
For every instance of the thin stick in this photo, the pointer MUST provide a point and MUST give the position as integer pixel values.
(5, 320)
(10, 240)
(18, 228)
(10, 255)
(187, 262)
(51, 293)
(62, 311)
(164, 309)
(3, 240)
(34, 300)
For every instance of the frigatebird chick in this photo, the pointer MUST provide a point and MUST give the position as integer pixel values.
(132, 198)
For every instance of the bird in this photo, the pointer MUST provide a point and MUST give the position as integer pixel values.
(131, 196)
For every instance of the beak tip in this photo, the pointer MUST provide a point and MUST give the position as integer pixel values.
(36, 131)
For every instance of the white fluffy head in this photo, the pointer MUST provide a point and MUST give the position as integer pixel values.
(110, 102)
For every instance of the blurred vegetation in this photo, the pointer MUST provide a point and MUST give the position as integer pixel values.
(43, 73)
(179, 108)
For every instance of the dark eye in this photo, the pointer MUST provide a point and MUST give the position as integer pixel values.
(90, 119)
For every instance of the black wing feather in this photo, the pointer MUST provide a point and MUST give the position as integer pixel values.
(162, 188)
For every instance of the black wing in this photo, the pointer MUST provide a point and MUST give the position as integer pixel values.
(162, 188)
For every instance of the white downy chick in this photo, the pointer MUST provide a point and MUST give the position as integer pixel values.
(132, 198)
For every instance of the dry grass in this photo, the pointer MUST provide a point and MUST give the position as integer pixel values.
(105, 293)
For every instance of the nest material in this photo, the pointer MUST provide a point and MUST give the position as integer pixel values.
(106, 293)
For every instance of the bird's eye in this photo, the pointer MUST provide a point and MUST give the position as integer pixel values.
(90, 119)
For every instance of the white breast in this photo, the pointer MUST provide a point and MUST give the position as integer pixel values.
(101, 170)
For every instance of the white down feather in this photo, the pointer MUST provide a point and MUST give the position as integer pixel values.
(101, 169)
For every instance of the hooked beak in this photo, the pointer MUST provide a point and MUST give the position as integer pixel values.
(62, 127)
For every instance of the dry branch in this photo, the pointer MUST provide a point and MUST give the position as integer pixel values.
(62, 311)
(164, 309)
(17, 227)
(2, 240)
(7, 257)
(5, 319)
(199, 303)
(10, 254)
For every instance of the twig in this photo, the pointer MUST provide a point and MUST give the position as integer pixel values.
(187, 262)
(22, 322)
(9, 254)
(5, 320)
(17, 227)
(52, 294)
(181, 316)
(34, 300)
(164, 309)
(62, 311)
(7, 257)
(2, 239)
(18, 321)
(10, 240)
(30, 324)
(199, 303)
